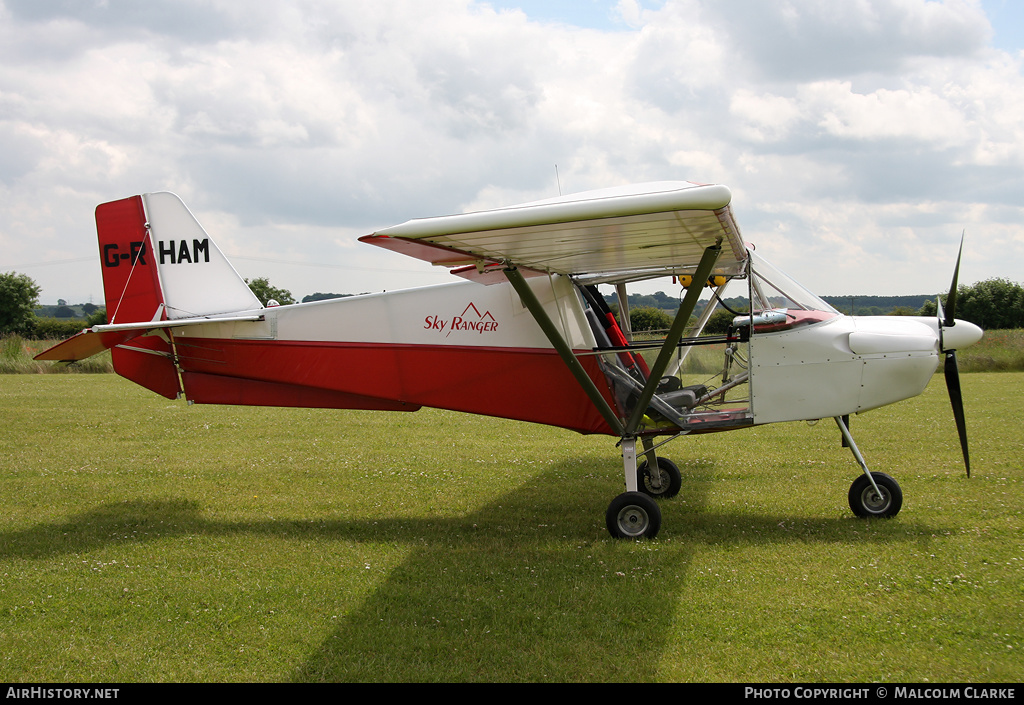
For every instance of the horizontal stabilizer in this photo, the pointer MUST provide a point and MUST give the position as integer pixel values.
(99, 338)
(82, 345)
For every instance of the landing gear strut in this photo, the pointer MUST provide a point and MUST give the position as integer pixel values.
(873, 494)
(634, 514)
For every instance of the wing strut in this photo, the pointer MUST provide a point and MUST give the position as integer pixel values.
(675, 333)
(529, 299)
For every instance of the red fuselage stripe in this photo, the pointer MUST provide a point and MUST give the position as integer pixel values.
(517, 383)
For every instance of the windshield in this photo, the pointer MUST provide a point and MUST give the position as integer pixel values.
(771, 289)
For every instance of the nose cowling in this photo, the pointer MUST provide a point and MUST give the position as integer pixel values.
(959, 335)
(955, 335)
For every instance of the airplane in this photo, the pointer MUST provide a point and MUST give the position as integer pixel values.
(525, 333)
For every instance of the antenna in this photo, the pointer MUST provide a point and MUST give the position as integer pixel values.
(557, 181)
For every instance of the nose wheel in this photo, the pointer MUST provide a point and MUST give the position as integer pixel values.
(883, 499)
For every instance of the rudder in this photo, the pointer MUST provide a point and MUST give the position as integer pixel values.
(158, 264)
(131, 283)
(131, 287)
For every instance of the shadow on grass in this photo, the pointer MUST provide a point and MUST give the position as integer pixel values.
(529, 588)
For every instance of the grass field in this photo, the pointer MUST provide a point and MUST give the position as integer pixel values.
(16, 355)
(146, 540)
(997, 351)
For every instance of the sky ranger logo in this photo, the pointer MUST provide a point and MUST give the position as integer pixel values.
(470, 320)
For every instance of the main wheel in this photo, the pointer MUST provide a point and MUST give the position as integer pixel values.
(866, 502)
(671, 479)
(633, 515)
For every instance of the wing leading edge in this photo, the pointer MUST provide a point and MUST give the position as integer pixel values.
(621, 233)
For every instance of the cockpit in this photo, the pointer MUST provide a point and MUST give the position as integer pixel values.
(707, 385)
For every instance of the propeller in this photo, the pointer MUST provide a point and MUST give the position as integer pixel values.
(947, 319)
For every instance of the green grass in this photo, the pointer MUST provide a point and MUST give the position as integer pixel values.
(146, 540)
(997, 351)
(16, 355)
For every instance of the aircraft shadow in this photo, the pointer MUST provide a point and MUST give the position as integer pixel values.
(554, 602)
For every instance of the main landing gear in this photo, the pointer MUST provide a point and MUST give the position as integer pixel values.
(663, 483)
(634, 514)
(873, 494)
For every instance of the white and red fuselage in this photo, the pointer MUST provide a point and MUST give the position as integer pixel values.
(183, 322)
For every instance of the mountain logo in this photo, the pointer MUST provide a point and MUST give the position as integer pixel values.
(471, 320)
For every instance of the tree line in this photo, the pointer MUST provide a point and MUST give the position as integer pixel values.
(19, 298)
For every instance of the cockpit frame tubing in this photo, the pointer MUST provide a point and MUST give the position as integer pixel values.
(675, 334)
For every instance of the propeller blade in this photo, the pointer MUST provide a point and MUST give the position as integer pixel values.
(951, 299)
(957, 400)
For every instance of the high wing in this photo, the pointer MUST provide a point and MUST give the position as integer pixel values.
(618, 234)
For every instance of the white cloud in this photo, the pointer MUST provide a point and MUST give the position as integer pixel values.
(814, 39)
(287, 126)
(917, 114)
(764, 117)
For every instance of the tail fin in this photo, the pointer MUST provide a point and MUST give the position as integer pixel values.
(158, 265)
(197, 278)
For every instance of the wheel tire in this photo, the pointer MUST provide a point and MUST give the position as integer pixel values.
(633, 515)
(671, 479)
(865, 502)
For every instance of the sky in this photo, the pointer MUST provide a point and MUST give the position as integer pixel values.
(859, 139)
